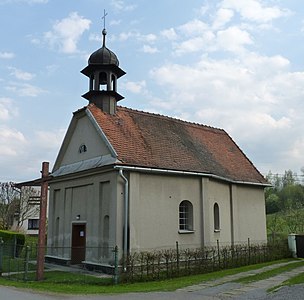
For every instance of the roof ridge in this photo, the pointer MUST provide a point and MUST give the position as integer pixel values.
(175, 119)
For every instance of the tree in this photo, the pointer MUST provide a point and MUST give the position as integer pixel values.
(272, 204)
(292, 196)
(16, 205)
(8, 204)
(289, 178)
(29, 204)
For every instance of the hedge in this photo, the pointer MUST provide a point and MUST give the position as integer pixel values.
(13, 242)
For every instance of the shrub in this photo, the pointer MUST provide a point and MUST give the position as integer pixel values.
(13, 242)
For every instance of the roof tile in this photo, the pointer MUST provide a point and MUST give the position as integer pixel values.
(155, 141)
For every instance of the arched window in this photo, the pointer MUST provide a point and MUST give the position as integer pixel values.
(216, 215)
(185, 215)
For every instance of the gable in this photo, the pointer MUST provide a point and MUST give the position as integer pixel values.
(83, 147)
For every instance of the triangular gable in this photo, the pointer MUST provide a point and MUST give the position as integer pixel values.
(85, 146)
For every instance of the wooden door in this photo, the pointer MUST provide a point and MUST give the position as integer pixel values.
(78, 243)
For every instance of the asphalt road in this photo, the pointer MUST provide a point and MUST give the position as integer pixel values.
(294, 293)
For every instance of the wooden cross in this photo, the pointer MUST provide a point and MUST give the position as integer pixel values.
(104, 18)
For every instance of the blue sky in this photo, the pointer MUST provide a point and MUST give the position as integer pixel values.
(236, 65)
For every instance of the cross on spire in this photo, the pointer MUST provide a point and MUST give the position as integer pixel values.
(104, 18)
(104, 32)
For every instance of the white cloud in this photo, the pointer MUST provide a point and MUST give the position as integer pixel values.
(25, 90)
(193, 28)
(43, 138)
(67, 32)
(223, 16)
(7, 55)
(7, 109)
(148, 38)
(255, 98)
(170, 34)
(254, 10)
(12, 141)
(149, 49)
(22, 75)
(138, 87)
(233, 39)
(122, 6)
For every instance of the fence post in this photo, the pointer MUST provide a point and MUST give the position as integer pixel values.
(115, 265)
(177, 257)
(15, 247)
(248, 251)
(26, 262)
(1, 255)
(218, 253)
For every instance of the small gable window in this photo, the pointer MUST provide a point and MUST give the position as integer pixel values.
(216, 215)
(185, 216)
(82, 148)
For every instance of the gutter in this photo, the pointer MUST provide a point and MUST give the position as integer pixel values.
(126, 215)
(154, 170)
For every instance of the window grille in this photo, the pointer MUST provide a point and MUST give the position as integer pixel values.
(185, 215)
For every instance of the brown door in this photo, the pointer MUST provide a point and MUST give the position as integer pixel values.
(78, 243)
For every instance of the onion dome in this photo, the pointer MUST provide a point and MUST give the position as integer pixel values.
(103, 56)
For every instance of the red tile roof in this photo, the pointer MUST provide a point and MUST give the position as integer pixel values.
(155, 141)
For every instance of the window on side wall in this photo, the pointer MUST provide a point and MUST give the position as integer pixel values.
(33, 224)
(185, 217)
(216, 214)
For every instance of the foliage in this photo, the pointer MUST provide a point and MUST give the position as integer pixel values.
(13, 242)
(287, 192)
(285, 204)
(15, 205)
(8, 204)
(170, 263)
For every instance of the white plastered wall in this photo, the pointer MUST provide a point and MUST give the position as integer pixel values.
(154, 211)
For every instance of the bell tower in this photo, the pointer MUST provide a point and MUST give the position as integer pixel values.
(103, 71)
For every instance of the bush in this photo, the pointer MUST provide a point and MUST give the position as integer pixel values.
(13, 242)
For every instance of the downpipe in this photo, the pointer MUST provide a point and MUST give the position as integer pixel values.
(126, 219)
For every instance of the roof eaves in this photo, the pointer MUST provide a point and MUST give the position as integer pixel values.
(189, 173)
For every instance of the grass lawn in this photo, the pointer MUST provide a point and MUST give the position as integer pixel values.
(270, 273)
(62, 282)
(295, 280)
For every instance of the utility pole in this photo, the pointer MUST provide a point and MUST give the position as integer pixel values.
(42, 221)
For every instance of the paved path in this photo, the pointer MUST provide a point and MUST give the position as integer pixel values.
(219, 289)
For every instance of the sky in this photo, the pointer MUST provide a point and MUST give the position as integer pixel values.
(231, 64)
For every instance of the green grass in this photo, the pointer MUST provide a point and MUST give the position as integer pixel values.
(298, 279)
(67, 283)
(270, 273)
(15, 265)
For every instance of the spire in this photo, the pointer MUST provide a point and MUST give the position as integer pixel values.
(103, 71)
(104, 31)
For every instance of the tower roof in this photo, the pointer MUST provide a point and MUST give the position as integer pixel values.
(103, 56)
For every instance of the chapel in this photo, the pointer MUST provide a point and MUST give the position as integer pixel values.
(142, 181)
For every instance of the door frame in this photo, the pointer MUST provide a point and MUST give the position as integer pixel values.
(78, 248)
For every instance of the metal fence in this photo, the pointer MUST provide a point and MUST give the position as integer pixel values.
(20, 262)
(181, 261)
